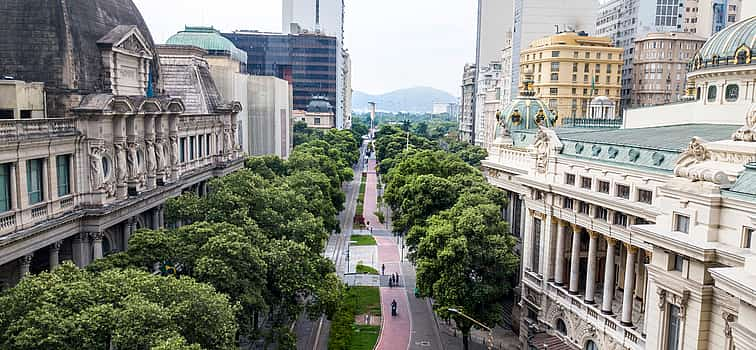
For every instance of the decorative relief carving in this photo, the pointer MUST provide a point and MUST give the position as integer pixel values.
(747, 133)
(120, 162)
(662, 298)
(151, 157)
(96, 170)
(132, 161)
(688, 164)
(546, 143)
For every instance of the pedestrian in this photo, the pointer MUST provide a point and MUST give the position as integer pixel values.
(383, 269)
(391, 281)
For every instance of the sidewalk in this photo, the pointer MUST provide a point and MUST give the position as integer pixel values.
(395, 330)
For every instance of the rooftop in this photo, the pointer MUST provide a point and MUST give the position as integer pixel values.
(210, 40)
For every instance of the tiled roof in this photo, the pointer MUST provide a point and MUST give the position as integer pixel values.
(653, 148)
(745, 185)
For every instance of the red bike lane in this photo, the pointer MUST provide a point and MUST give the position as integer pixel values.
(395, 330)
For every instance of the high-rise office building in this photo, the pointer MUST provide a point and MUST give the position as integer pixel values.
(466, 109)
(535, 19)
(494, 27)
(321, 17)
(706, 17)
(307, 61)
(627, 20)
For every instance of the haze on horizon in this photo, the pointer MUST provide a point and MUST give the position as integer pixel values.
(394, 44)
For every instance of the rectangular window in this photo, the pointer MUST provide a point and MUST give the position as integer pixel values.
(747, 237)
(553, 91)
(623, 191)
(554, 53)
(584, 208)
(553, 103)
(34, 180)
(603, 187)
(673, 327)
(5, 188)
(554, 76)
(587, 55)
(536, 244)
(601, 213)
(554, 66)
(677, 262)
(574, 67)
(200, 142)
(620, 219)
(569, 179)
(682, 223)
(207, 140)
(641, 221)
(538, 195)
(62, 165)
(586, 69)
(586, 182)
(567, 203)
(182, 150)
(191, 147)
(317, 121)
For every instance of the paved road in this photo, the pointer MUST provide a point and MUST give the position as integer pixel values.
(313, 335)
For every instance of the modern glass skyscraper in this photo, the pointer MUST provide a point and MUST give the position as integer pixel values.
(307, 61)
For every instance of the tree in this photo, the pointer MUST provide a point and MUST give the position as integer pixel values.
(124, 309)
(465, 261)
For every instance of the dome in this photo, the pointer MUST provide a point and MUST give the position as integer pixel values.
(319, 104)
(55, 42)
(735, 44)
(209, 39)
(524, 112)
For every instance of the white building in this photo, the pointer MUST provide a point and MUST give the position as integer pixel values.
(535, 19)
(265, 121)
(466, 107)
(487, 100)
(326, 17)
(706, 17)
(450, 109)
(641, 237)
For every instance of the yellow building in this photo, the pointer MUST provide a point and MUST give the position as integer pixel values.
(569, 69)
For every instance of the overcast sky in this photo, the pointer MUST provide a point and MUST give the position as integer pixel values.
(394, 44)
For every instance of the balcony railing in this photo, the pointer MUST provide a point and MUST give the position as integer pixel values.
(18, 129)
(592, 123)
(625, 335)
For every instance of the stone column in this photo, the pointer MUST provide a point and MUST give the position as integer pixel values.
(13, 186)
(606, 306)
(590, 282)
(173, 140)
(155, 218)
(24, 265)
(546, 258)
(527, 241)
(81, 250)
(150, 166)
(575, 261)
(55, 254)
(161, 216)
(559, 262)
(627, 297)
(97, 244)
(119, 160)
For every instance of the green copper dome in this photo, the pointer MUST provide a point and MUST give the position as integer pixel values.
(209, 39)
(735, 44)
(525, 112)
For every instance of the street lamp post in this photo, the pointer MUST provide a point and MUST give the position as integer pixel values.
(489, 339)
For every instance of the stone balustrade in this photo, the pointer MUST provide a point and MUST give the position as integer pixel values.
(36, 128)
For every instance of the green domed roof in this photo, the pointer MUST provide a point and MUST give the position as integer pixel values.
(524, 112)
(209, 39)
(728, 41)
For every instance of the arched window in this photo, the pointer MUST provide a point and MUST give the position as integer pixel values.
(711, 95)
(742, 57)
(590, 345)
(732, 92)
(561, 327)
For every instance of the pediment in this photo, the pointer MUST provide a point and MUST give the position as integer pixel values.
(126, 39)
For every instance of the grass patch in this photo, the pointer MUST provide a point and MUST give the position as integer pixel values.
(362, 240)
(366, 300)
(345, 334)
(364, 337)
(366, 269)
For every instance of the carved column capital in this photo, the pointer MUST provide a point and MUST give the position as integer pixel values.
(96, 236)
(662, 297)
(593, 234)
(26, 259)
(56, 245)
(610, 240)
(564, 223)
(630, 248)
(575, 228)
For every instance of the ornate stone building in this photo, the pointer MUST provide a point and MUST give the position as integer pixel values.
(640, 237)
(122, 130)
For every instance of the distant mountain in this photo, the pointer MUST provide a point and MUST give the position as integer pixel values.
(412, 100)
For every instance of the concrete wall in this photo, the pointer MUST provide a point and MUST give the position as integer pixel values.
(232, 85)
(683, 113)
(17, 95)
(270, 126)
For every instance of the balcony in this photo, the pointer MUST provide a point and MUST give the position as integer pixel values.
(629, 337)
(11, 130)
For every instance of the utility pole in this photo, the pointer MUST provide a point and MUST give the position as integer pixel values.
(372, 118)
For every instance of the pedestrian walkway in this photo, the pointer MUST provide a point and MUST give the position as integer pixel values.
(371, 197)
(395, 330)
